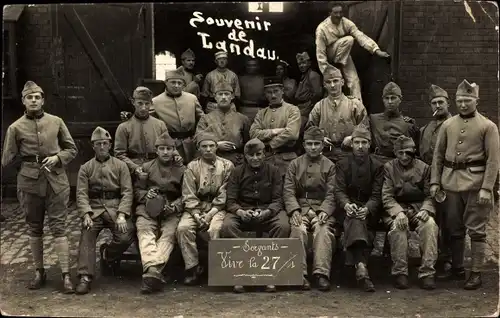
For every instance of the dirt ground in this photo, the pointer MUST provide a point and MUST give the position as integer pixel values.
(120, 297)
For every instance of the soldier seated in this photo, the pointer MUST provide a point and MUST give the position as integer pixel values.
(204, 197)
(158, 192)
(359, 178)
(251, 208)
(104, 197)
(309, 201)
(408, 205)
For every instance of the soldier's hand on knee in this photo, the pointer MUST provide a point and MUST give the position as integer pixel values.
(121, 223)
(264, 215)
(296, 219)
(484, 197)
(322, 217)
(350, 209)
(87, 221)
(244, 215)
(361, 213)
(401, 221)
(422, 215)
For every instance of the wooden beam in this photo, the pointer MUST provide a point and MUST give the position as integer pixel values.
(149, 41)
(96, 57)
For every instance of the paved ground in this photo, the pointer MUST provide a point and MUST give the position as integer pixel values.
(119, 296)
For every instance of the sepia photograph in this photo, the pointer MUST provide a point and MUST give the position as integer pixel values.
(250, 159)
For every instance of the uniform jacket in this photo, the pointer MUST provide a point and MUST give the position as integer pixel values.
(166, 178)
(110, 175)
(216, 76)
(428, 138)
(309, 91)
(406, 188)
(191, 85)
(46, 135)
(204, 185)
(250, 188)
(285, 116)
(180, 114)
(360, 183)
(328, 33)
(137, 136)
(386, 130)
(309, 185)
(463, 140)
(338, 117)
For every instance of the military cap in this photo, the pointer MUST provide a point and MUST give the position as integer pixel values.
(142, 93)
(30, 88)
(314, 133)
(403, 142)
(467, 89)
(174, 74)
(188, 54)
(331, 72)
(361, 132)
(253, 145)
(223, 86)
(283, 63)
(164, 140)
(436, 91)
(154, 207)
(220, 54)
(206, 136)
(392, 89)
(302, 57)
(273, 81)
(100, 134)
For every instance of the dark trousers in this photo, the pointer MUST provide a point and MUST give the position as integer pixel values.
(277, 226)
(88, 240)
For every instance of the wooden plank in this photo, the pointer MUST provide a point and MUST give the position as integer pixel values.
(95, 55)
(255, 262)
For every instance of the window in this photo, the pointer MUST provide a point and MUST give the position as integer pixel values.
(265, 7)
(164, 61)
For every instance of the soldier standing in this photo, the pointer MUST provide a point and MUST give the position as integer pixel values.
(45, 146)
(252, 89)
(204, 197)
(337, 115)
(180, 111)
(310, 203)
(221, 73)
(277, 126)
(465, 166)
(158, 192)
(186, 69)
(227, 124)
(289, 84)
(104, 198)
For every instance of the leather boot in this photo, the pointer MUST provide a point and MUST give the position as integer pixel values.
(68, 287)
(39, 280)
(428, 282)
(153, 279)
(83, 286)
(474, 281)
(401, 282)
(323, 283)
(191, 277)
(368, 285)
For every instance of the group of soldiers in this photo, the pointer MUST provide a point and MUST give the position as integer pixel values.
(180, 169)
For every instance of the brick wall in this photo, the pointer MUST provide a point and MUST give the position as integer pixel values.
(442, 45)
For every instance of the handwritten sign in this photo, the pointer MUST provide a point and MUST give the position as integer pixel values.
(239, 43)
(255, 262)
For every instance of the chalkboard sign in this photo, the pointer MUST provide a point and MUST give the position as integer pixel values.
(255, 262)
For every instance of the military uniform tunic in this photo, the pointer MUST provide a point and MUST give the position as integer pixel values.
(428, 138)
(191, 85)
(212, 79)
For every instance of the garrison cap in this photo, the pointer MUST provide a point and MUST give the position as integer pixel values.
(392, 89)
(142, 93)
(331, 72)
(188, 54)
(436, 91)
(30, 87)
(403, 142)
(283, 63)
(220, 54)
(467, 89)
(100, 134)
(272, 81)
(253, 145)
(361, 132)
(174, 74)
(304, 56)
(164, 140)
(223, 86)
(206, 136)
(314, 133)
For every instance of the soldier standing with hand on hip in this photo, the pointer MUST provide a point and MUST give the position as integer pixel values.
(45, 146)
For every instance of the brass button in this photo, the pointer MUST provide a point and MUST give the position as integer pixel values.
(462, 131)
(460, 141)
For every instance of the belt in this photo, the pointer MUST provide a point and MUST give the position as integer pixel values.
(181, 134)
(280, 149)
(106, 195)
(312, 195)
(34, 158)
(464, 165)
(148, 155)
(206, 198)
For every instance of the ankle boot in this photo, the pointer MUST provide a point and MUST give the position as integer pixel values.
(39, 280)
(83, 286)
(474, 281)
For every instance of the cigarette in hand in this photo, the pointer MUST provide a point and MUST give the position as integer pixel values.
(46, 169)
